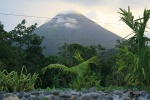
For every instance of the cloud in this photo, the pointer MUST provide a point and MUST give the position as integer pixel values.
(96, 16)
(66, 21)
(133, 3)
(110, 4)
(60, 21)
(90, 2)
(71, 26)
(70, 12)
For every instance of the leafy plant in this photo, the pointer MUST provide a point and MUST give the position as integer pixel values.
(48, 89)
(44, 98)
(129, 65)
(14, 82)
(3, 80)
(74, 54)
(38, 89)
(87, 81)
(77, 72)
(136, 64)
(113, 88)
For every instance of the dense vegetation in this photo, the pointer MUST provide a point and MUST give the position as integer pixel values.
(75, 66)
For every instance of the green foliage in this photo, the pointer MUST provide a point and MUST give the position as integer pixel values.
(49, 78)
(78, 69)
(77, 72)
(39, 89)
(128, 64)
(44, 98)
(15, 82)
(113, 88)
(48, 89)
(7, 53)
(21, 47)
(135, 64)
(87, 81)
(145, 88)
(105, 70)
(52, 59)
(33, 56)
(73, 54)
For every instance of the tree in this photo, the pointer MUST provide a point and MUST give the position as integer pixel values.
(105, 69)
(7, 52)
(73, 54)
(137, 63)
(21, 47)
(34, 59)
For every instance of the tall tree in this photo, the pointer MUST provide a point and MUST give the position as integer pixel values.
(34, 59)
(20, 47)
(7, 53)
(20, 37)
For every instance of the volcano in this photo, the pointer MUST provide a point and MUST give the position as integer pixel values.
(74, 28)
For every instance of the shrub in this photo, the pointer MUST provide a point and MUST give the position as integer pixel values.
(15, 82)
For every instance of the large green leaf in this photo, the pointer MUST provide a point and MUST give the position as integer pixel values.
(78, 69)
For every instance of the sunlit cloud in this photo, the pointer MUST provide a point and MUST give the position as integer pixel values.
(70, 12)
(71, 26)
(67, 22)
(95, 16)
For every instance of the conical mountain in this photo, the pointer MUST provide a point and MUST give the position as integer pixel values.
(74, 28)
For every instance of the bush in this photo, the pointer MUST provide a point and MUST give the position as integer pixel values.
(15, 82)
(86, 81)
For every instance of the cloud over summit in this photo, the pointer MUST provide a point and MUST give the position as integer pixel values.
(66, 21)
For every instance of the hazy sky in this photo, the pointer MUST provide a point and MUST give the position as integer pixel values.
(104, 12)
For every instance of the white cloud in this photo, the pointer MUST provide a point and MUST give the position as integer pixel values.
(60, 21)
(67, 22)
(70, 25)
(71, 20)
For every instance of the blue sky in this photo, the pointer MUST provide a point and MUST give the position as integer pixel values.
(102, 11)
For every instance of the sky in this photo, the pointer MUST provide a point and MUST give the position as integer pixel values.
(103, 12)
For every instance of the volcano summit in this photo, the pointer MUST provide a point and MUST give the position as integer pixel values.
(74, 28)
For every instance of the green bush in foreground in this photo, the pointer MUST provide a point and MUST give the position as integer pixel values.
(81, 74)
(15, 82)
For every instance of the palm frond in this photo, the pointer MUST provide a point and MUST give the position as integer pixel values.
(81, 68)
(55, 66)
(127, 17)
(78, 69)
